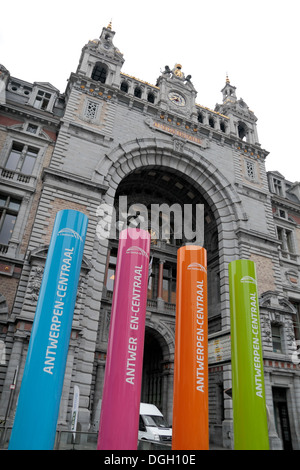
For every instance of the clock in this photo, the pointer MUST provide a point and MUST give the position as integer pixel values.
(176, 98)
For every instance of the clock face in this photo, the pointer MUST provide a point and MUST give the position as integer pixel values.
(176, 98)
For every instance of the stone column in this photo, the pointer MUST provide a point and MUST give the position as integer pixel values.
(160, 301)
(170, 396)
(99, 381)
(227, 425)
(62, 417)
(160, 279)
(14, 364)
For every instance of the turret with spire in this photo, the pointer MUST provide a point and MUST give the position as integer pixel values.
(242, 119)
(229, 94)
(102, 54)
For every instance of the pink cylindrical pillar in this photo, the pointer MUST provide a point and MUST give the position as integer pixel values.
(119, 418)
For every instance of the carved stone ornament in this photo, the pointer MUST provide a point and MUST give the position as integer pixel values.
(290, 335)
(80, 289)
(34, 283)
(178, 146)
(176, 72)
(267, 330)
(292, 277)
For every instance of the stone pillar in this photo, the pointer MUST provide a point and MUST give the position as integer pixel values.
(160, 301)
(106, 268)
(160, 279)
(227, 425)
(14, 364)
(274, 439)
(63, 419)
(99, 381)
(169, 404)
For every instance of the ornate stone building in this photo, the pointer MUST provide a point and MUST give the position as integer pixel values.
(110, 135)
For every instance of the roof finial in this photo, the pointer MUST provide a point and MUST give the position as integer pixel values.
(110, 25)
(227, 79)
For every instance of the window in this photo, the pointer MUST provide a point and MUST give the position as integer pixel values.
(242, 131)
(282, 213)
(151, 97)
(27, 90)
(32, 128)
(9, 208)
(111, 270)
(14, 156)
(152, 280)
(99, 73)
(124, 86)
(250, 170)
(211, 122)
(200, 117)
(276, 338)
(287, 240)
(91, 110)
(296, 320)
(169, 284)
(29, 161)
(280, 234)
(137, 92)
(14, 86)
(42, 100)
(21, 158)
(290, 241)
(223, 126)
(277, 186)
(142, 426)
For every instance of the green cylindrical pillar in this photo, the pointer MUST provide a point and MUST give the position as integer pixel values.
(248, 392)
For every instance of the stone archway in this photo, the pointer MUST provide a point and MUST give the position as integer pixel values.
(227, 209)
(157, 379)
(198, 171)
(152, 369)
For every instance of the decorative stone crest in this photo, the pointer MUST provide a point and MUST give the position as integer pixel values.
(178, 146)
(34, 283)
(176, 72)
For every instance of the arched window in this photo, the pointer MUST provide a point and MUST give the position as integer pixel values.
(200, 117)
(99, 72)
(151, 97)
(211, 122)
(222, 126)
(137, 92)
(124, 86)
(242, 130)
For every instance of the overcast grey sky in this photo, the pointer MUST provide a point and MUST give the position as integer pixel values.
(256, 42)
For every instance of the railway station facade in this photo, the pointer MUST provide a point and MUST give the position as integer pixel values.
(109, 137)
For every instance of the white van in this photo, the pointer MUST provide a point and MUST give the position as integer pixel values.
(152, 424)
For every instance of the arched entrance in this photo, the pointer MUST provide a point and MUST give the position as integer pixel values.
(152, 382)
(197, 172)
(151, 170)
(160, 185)
(150, 186)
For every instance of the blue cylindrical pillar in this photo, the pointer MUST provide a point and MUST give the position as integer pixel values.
(38, 404)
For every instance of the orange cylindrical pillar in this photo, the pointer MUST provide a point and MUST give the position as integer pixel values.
(190, 396)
